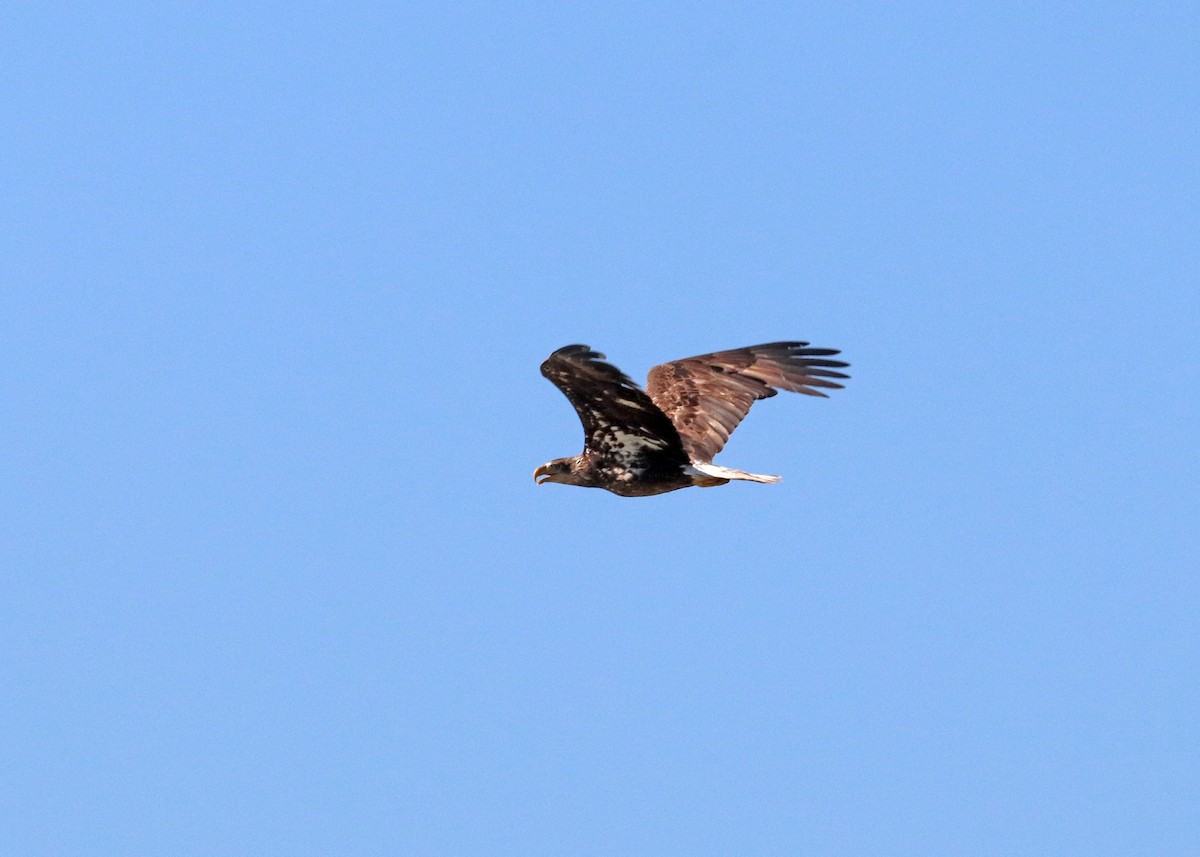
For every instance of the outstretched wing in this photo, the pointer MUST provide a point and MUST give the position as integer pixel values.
(707, 396)
(618, 417)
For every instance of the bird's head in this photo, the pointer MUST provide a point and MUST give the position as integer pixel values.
(559, 470)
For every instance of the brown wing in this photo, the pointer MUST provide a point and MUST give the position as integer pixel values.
(618, 417)
(707, 396)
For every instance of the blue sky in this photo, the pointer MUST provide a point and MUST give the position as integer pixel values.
(276, 284)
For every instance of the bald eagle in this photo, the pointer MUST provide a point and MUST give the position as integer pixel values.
(638, 443)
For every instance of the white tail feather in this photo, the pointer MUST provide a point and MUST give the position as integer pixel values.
(730, 473)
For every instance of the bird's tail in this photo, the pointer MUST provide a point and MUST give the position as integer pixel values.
(729, 473)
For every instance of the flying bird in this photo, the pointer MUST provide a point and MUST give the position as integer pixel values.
(638, 443)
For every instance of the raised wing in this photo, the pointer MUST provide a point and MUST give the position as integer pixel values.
(707, 396)
(617, 416)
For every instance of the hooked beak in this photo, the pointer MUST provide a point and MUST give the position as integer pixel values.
(542, 470)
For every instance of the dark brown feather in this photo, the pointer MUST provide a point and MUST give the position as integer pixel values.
(608, 401)
(706, 397)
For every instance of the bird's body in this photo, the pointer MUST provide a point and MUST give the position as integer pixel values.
(638, 443)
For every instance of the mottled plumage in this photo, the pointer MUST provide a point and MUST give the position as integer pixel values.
(638, 443)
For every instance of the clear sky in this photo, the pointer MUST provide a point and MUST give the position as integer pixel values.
(276, 282)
